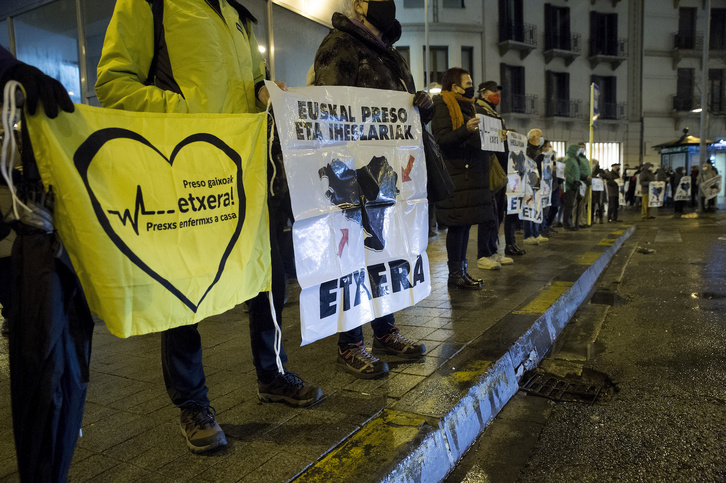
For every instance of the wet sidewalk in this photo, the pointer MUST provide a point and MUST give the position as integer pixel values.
(409, 426)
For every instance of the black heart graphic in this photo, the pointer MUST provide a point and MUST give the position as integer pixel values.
(85, 154)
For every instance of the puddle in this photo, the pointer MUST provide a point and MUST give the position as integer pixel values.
(605, 297)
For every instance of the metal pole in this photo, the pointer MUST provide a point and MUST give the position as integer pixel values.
(270, 41)
(82, 64)
(704, 87)
(426, 53)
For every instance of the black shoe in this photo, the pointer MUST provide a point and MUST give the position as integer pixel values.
(571, 228)
(457, 280)
(200, 428)
(557, 225)
(290, 389)
(396, 344)
(358, 361)
(513, 250)
(521, 251)
(465, 267)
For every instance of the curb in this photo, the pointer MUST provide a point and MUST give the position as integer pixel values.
(423, 444)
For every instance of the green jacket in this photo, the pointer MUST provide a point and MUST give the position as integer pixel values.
(209, 49)
(572, 168)
(585, 169)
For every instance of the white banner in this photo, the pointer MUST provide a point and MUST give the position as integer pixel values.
(621, 191)
(597, 184)
(490, 133)
(355, 166)
(683, 190)
(560, 170)
(638, 189)
(712, 187)
(514, 205)
(656, 193)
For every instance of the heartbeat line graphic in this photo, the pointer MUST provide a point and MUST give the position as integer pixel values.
(139, 207)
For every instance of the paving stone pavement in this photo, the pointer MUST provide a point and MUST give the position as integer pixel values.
(130, 428)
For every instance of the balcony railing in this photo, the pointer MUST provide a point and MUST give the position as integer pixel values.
(520, 104)
(564, 108)
(683, 104)
(613, 110)
(524, 33)
(573, 44)
(611, 49)
(689, 41)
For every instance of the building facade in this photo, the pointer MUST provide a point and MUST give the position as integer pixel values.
(646, 56)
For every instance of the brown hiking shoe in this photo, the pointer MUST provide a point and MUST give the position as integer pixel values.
(398, 345)
(290, 389)
(200, 428)
(358, 361)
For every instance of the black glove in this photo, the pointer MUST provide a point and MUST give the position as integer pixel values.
(39, 86)
(425, 106)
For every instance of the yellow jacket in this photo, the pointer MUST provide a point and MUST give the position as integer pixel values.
(213, 55)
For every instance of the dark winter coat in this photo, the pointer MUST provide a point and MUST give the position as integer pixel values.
(646, 176)
(468, 166)
(611, 185)
(352, 56)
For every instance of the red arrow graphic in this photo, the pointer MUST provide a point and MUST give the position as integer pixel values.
(405, 172)
(343, 241)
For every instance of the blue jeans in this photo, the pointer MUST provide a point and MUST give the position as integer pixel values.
(531, 229)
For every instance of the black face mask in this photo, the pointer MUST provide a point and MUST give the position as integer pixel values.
(468, 92)
(382, 14)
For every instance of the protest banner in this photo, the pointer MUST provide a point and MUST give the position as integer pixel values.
(622, 187)
(656, 193)
(711, 188)
(164, 216)
(597, 184)
(489, 132)
(356, 171)
(516, 168)
(683, 190)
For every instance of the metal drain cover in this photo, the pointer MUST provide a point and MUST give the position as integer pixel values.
(561, 388)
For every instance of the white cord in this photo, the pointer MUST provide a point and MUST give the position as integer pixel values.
(10, 112)
(278, 333)
(269, 146)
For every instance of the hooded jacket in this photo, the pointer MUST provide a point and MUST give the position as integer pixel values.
(572, 168)
(352, 56)
(585, 169)
(468, 166)
(208, 50)
(645, 176)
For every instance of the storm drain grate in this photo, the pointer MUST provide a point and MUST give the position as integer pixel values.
(561, 388)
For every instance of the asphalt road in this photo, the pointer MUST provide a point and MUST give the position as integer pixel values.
(659, 334)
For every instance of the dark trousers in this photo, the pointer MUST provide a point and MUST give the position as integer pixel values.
(181, 347)
(6, 283)
(381, 326)
(613, 205)
(457, 239)
(553, 209)
(487, 237)
(570, 202)
(510, 227)
(679, 206)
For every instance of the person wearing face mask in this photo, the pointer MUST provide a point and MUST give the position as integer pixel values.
(550, 212)
(572, 186)
(488, 258)
(359, 52)
(456, 129)
(586, 177)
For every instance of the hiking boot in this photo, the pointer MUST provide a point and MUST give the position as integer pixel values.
(358, 361)
(288, 388)
(488, 263)
(398, 345)
(200, 428)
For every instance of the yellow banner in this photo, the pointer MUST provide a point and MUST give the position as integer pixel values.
(164, 216)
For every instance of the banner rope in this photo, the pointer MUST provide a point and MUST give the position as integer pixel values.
(10, 112)
(278, 331)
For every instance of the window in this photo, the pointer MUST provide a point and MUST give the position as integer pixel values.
(684, 90)
(608, 104)
(511, 20)
(686, 36)
(718, 29)
(603, 33)
(438, 64)
(467, 59)
(454, 4)
(557, 88)
(296, 40)
(405, 53)
(557, 28)
(512, 82)
(47, 37)
(716, 90)
(96, 14)
(4, 34)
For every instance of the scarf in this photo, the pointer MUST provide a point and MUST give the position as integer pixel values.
(451, 99)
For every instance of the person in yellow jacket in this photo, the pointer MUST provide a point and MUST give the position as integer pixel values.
(208, 61)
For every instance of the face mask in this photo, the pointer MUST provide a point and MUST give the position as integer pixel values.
(541, 142)
(495, 98)
(468, 92)
(580, 151)
(382, 14)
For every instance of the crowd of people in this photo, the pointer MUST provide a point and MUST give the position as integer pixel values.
(208, 62)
